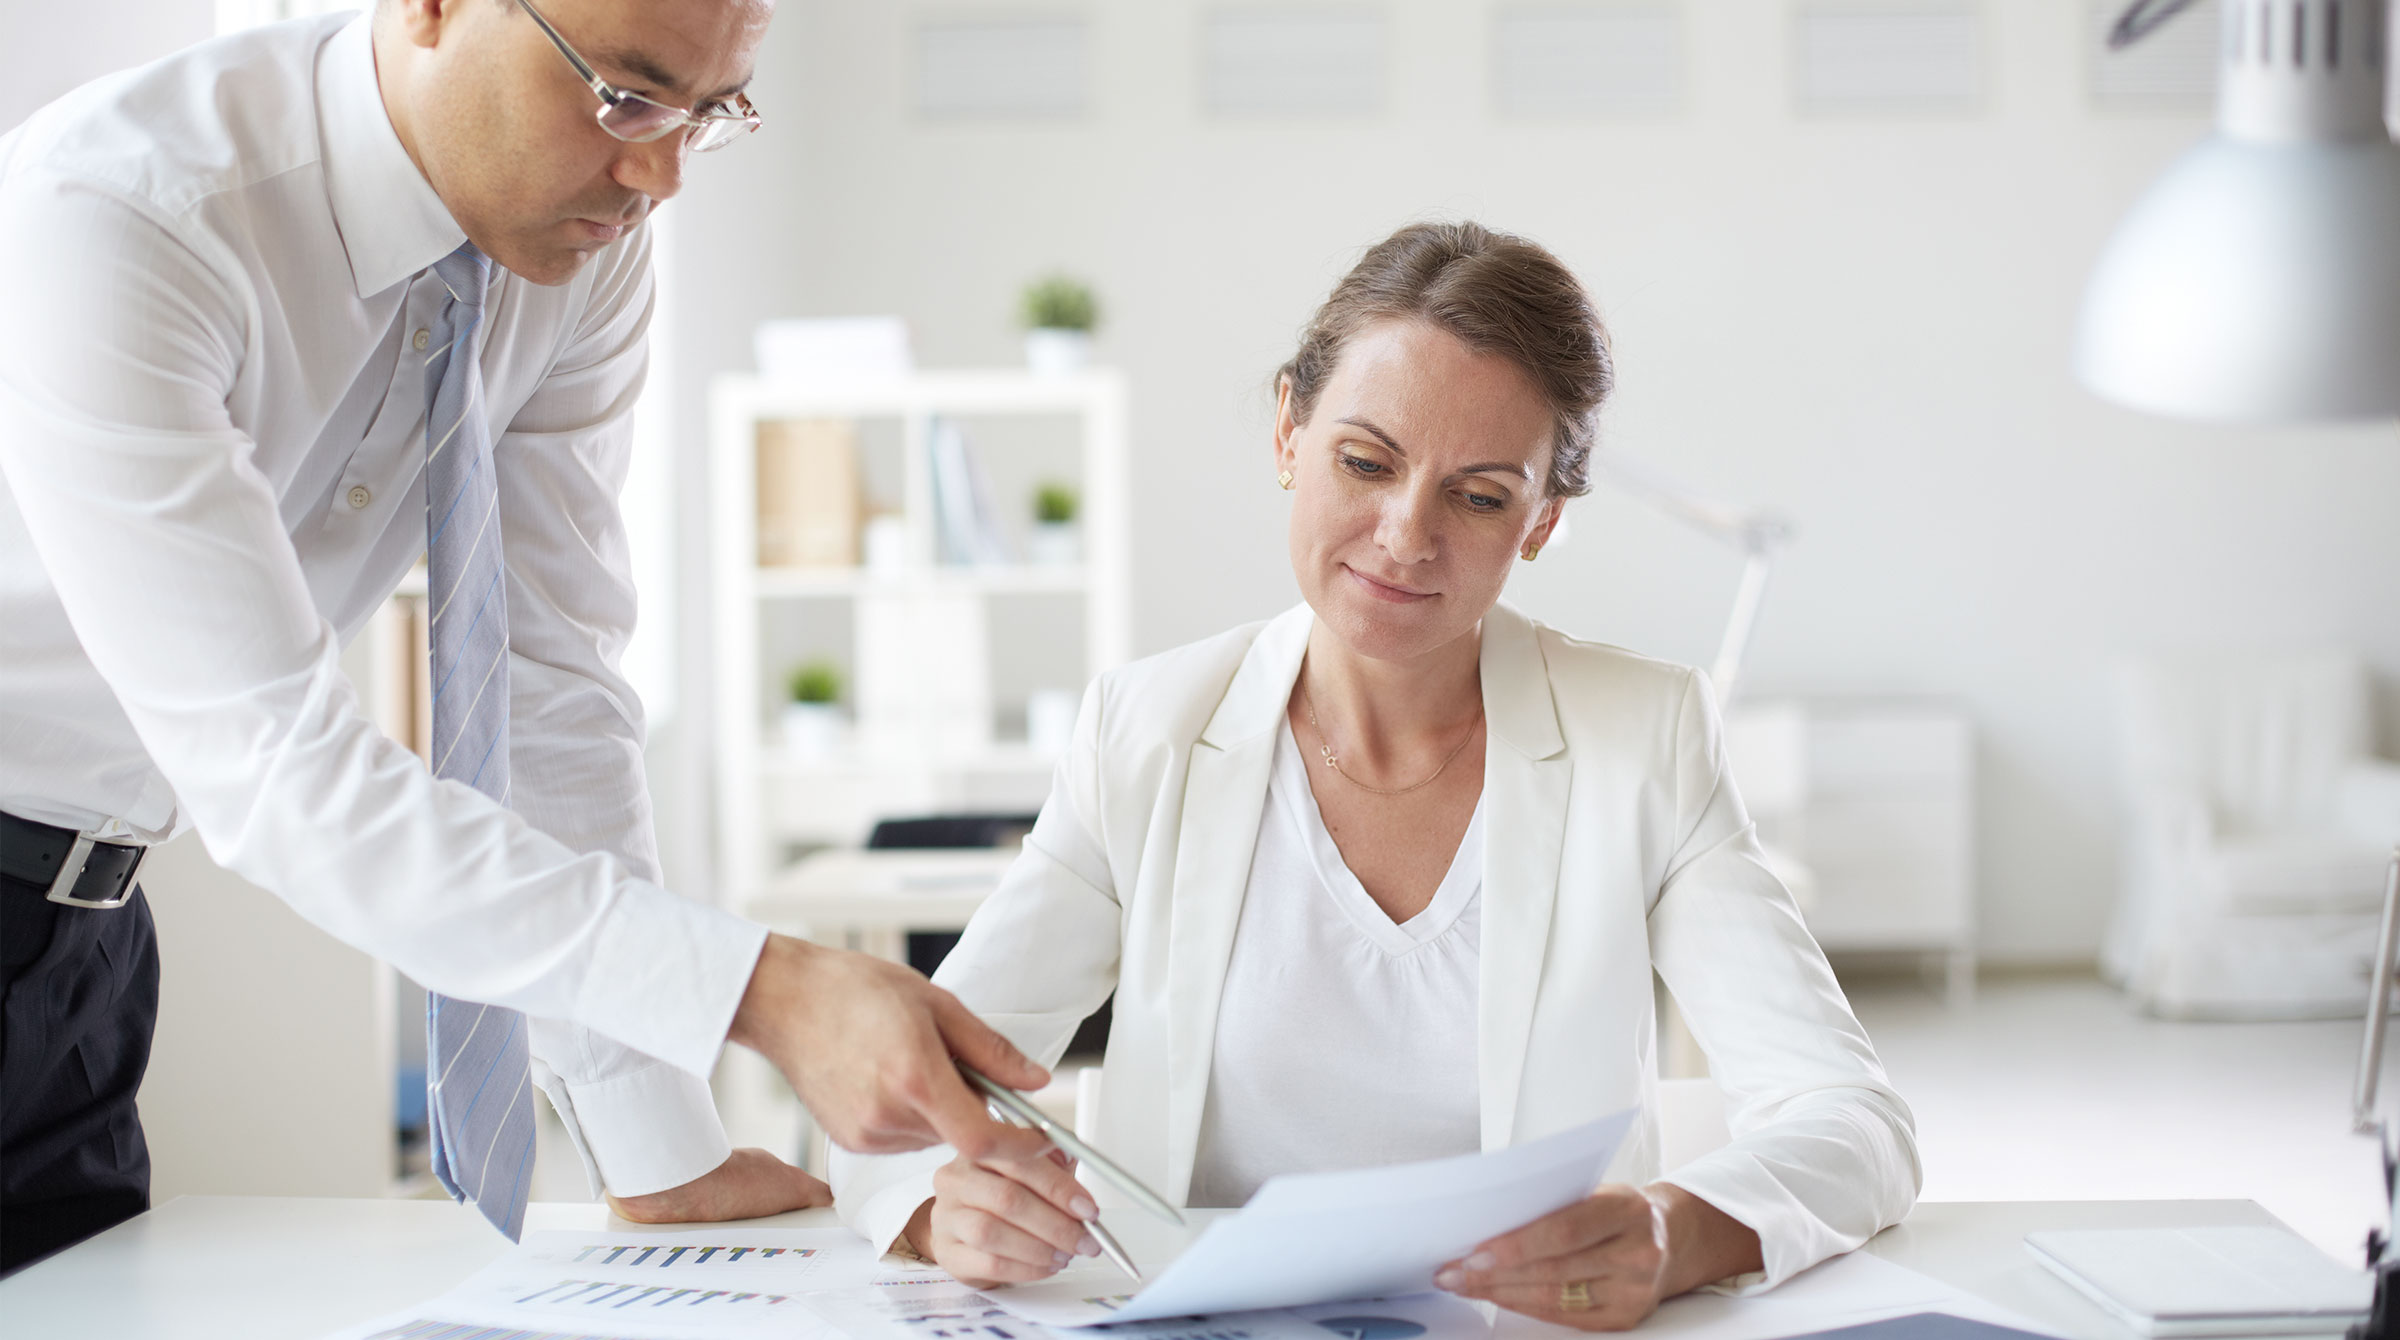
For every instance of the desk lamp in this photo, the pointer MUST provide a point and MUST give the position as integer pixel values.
(2259, 281)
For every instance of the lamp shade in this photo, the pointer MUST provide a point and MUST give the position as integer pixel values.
(2255, 281)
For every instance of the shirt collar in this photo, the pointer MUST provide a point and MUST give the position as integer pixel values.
(391, 223)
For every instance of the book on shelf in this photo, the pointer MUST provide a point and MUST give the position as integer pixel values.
(811, 493)
(965, 522)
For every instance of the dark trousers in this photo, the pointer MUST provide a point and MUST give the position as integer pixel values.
(78, 1002)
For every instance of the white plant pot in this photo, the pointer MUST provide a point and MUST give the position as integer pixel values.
(1056, 544)
(814, 732)
(1053, 351)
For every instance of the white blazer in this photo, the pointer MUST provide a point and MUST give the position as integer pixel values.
(1615, 846)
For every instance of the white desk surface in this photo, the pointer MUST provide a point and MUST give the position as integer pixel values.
(293, 1268)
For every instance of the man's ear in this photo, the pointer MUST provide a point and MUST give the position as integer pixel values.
(422, 21)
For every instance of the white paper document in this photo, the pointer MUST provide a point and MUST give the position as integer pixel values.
(644, 1286)
(1322, 1237)
(1844, 1291)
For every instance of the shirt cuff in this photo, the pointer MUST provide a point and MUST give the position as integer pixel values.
(666, 976)
(646, 1130)
(882, 1215)
(1729, 1190)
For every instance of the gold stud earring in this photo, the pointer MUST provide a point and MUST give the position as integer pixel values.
(1533, 549)
(1285, 481)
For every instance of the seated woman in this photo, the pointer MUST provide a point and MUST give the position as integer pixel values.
(1386, 877)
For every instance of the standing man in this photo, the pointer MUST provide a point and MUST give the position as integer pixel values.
(284, 312)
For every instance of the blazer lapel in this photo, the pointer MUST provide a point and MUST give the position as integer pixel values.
(1225, 792)
(1526, 772)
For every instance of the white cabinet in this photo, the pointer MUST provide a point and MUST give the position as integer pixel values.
(1876, 802)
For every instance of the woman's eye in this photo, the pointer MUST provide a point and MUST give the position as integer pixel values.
(1484, 502)
(1359, 465)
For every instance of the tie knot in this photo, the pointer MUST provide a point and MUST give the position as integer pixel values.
(464, 272)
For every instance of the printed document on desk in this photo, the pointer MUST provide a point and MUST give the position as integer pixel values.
(1322, 1237)
(599, 1285)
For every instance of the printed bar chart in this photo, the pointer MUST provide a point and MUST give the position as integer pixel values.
(665, 1256)
(454, 1330)
(606, 1294)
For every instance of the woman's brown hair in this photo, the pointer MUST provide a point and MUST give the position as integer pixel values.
(1498, 294)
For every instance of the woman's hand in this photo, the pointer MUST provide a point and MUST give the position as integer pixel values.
(1605, 1262)
(1005, 1221)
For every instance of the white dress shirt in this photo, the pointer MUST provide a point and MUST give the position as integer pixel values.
(1346, 1039)
(212, 404)
(1615, 854)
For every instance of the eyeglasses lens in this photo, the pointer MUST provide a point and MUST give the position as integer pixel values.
(638, 119)
(718, 132)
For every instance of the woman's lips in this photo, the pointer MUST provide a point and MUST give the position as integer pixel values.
(1386, 591)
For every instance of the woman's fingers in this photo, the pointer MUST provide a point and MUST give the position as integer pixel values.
(1007, 1192)
(1613, 1306)
(990, 1248)
(1610, 1212)
(1622, 1258)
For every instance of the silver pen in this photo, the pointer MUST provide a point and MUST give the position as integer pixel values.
(1016, 1105)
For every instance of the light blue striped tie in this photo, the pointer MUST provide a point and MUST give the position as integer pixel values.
(481, 1102)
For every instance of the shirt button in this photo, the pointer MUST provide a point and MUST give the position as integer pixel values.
(422, 338)
(359, 497)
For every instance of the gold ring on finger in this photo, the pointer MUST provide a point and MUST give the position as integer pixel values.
(1575, 1296)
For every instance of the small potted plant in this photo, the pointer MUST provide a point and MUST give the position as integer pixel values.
(1060, 315)
(812, 721)
(1054, 539)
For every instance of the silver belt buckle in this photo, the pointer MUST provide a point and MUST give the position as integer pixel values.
(62, 889)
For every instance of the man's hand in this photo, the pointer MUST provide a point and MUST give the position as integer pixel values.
(871, 1047)
(750, 1184)
(1605, 1262)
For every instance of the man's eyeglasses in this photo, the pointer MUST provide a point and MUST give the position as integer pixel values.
(639, 120)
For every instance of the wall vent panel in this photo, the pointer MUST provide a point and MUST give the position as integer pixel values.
(1570, 62)
(1293, 62)
(1888, 60)
(1002, 70)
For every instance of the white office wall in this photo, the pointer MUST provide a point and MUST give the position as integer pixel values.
(47, 47)
(1862, 319)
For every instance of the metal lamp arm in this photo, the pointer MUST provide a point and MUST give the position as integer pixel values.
(1761, 535)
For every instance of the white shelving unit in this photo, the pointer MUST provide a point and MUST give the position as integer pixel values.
(759, 790)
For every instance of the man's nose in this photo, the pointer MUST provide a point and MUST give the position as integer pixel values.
(654, 169)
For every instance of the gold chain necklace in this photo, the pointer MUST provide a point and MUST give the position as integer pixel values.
(1308, 702)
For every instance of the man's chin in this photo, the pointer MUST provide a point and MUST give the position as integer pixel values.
(547, 266)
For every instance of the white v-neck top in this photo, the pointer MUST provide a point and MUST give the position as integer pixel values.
(1344, 1040)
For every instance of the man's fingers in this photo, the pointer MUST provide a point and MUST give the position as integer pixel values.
(959, 1118)
(980, 1045)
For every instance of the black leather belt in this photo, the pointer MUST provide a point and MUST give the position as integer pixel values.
(68, 867)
